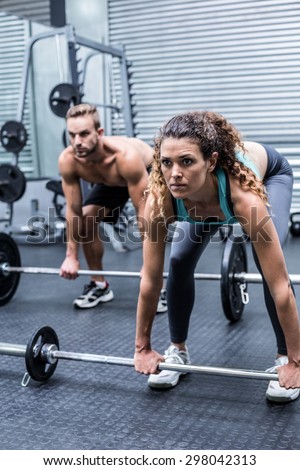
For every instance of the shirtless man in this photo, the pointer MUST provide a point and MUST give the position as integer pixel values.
(117, 168)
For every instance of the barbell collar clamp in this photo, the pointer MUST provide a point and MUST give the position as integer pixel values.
(250, 278)
(48, 353)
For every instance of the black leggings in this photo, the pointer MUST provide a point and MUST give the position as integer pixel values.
(190, 240)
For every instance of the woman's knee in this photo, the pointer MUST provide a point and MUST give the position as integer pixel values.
(180, 262)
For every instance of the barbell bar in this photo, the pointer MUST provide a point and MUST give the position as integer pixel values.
(122, 361)
(249, 278)
(5, 268)
(233, 277)
(41, 358)
(253, 278)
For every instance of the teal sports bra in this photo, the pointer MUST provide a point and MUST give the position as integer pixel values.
(224, 197)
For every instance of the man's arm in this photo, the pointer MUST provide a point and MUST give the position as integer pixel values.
(132, 168)
(72, 191)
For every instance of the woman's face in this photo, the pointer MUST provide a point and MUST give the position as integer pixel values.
(184, 167)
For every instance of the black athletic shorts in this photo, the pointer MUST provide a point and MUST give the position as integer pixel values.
(111, 197)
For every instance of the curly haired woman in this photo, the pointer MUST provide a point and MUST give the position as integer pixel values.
(204, 176)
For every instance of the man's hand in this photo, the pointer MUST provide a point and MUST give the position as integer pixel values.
(146, 361)
(69, 268)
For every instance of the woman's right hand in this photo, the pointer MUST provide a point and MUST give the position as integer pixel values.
(146, 361)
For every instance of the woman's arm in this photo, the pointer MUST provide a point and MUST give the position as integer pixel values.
(253, 215)
(146, 360)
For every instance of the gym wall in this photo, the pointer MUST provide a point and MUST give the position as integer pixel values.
(35, 10)
(240, 58)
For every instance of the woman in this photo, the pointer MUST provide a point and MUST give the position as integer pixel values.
(204, 175)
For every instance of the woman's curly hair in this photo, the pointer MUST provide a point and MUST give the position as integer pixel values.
(212, 133)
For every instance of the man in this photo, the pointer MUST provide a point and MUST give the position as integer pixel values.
(117, 168)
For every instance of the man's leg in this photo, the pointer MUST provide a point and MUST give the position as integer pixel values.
(93, 245)
(97, 291)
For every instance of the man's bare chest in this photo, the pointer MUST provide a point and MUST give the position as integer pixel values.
(102, 173)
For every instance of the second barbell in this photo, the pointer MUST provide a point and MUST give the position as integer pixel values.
(233, 277)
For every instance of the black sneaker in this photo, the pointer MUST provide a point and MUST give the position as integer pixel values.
(92, 295)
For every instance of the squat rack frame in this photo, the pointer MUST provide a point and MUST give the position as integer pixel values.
(73, 41)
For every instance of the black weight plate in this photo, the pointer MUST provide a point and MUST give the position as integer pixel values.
(64, 139)
(13, 136)
(9, 253)
(234, 261)
(37, 368)
(62, 97)
(295, 224)
(12, 183)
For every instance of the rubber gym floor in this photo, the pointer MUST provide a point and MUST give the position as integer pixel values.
(95, 406)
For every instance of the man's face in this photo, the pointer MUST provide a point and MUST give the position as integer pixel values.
(83, 135)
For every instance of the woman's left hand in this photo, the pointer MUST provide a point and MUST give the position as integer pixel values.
(289, 375)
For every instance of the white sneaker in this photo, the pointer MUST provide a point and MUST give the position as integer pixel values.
(274, 391)
(167, 378)
(162, 306)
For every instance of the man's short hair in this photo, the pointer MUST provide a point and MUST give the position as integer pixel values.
(84, 109)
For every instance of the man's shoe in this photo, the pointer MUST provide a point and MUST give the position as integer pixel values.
(162, 306)
(274, 391)
(168, 379)
(92, 295)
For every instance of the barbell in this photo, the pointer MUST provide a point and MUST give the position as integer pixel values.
(42, 354)
(233, 277)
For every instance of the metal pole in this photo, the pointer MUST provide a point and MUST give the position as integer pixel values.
(116, 52)
(51, 354)
(122, 361)
(5, 268)
(7, 349)
(26, 65)
(253, 278)
(127, 111)
(250, 278)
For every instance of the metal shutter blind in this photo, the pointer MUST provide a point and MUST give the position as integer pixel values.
(14, 34)
(35, 10)
(240, 58)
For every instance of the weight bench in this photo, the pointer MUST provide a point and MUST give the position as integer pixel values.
(56, 187)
